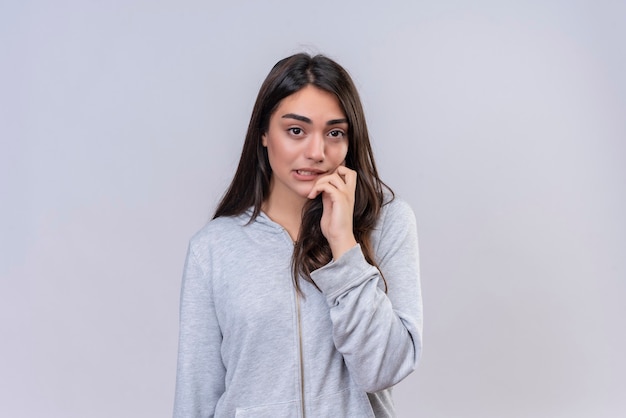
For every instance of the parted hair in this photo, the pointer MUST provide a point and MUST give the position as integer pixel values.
(251, 183)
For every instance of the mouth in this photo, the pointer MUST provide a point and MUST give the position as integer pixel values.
(309, 172)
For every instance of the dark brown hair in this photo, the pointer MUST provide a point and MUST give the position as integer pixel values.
(250, 186)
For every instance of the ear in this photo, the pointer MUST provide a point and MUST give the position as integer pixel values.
(264, 140)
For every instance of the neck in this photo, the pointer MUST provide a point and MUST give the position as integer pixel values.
(285, 211)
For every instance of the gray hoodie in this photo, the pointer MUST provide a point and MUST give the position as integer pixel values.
(250, 346)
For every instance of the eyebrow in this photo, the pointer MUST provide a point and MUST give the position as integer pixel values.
(309, 121)
(336, 121)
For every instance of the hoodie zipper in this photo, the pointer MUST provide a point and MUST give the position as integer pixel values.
(299, 324)
(300, 350)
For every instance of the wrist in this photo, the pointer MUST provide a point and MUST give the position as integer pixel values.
(339, 248)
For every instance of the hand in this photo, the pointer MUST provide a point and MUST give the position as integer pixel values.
(337, 191)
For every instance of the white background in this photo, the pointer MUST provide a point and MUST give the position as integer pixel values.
(503, 123)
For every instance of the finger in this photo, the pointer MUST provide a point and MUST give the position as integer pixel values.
(348, 175)
(335, 180)
(327, 187)
(320, 188)
(342, 178)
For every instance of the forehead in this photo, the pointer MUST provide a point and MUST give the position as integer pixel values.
(313, 103)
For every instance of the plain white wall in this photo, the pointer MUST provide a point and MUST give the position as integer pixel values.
(502, 123)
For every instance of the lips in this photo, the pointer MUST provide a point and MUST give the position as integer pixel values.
(308, 173)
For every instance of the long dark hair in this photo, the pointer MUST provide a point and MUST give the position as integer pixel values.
(250, 186)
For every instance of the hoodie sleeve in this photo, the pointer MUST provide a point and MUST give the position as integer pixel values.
(200, 371)
(378, 333)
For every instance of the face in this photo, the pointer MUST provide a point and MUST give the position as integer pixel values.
(307, 138)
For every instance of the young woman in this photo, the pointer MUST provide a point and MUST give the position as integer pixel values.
(301, 298)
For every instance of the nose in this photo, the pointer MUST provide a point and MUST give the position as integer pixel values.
(315, 148)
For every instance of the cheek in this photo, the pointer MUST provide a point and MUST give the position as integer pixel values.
(278, 153)
(273, 157)
(340, 152)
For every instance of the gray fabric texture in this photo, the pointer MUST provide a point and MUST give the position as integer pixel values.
(250, 346)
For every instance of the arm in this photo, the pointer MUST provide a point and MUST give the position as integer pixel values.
(200, 370)
(379, 335)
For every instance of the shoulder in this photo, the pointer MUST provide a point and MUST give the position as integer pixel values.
(217, 233)
(216, 227)
(396, 222)
(395, 211)
(395, 232)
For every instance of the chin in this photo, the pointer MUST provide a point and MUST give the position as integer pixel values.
(304, 193)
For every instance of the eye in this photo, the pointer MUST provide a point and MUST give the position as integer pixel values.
(295, 131)
(336, 133)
